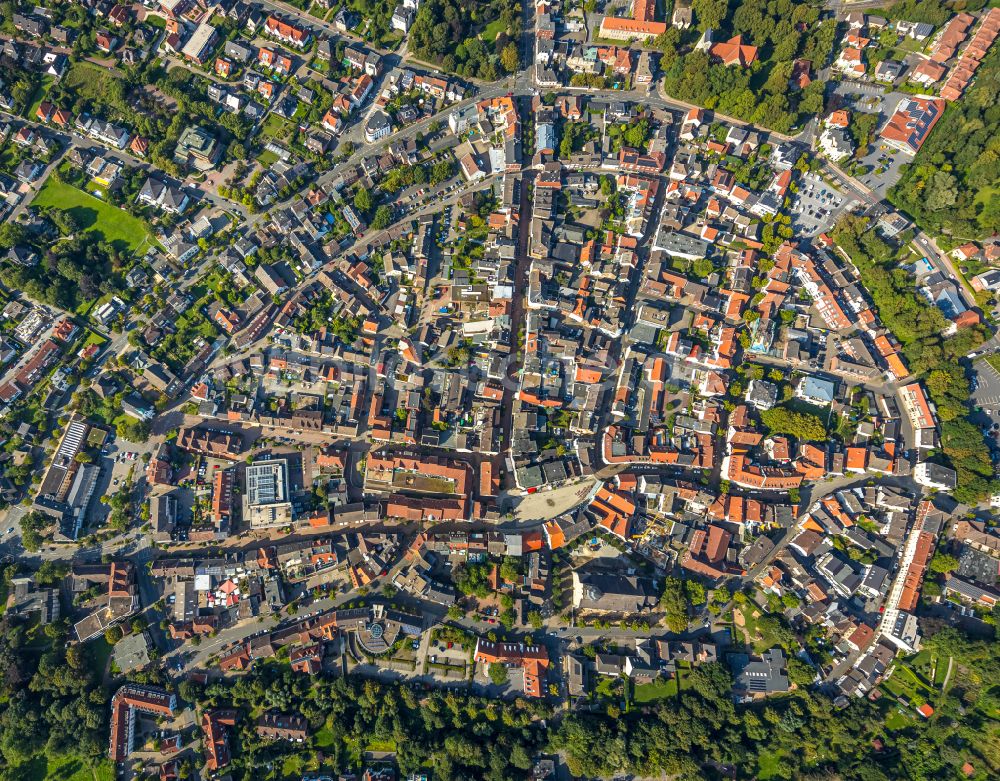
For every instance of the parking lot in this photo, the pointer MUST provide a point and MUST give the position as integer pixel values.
(884, 166)
(882, 162)
(817, 205)
(986, 387)
(850, 89)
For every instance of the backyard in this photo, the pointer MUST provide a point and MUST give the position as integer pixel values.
(660, 689)
(44, 85)
(116, 226)
(760, 631)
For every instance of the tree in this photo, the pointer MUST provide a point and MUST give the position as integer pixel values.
(702, 267)
(674, 605)
(363, 201)
(497, 673)
(12, 234)
(535, 619)
(51, 572)
(799, 672)
(802, 425)
(509, 570)
(695, 592)
(382, 218)
(709, 14)
(190, 691)
(32, 524)
(721, 596)
(509, 58)
(943, 563)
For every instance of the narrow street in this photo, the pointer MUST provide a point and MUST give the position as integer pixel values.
(518, 314)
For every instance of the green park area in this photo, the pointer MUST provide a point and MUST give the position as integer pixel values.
(94, 215)
(63, 768)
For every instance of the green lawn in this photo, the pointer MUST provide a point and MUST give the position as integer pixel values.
(267, 158)
(941, 671)
(917, 682)
(323, 738)
(275, 127)
(93, 338)
(86, 307)
(760, 640)
(660, 689)
(983, 194)
(923, 658)
(88, 80)
(42, 768)
(910, 45)
(898, 720)
(93, 214)
(99, 654)
(769, 765)
(492, 30)
(292, 766)
(43, 89)
(356, 750)
(608, 687)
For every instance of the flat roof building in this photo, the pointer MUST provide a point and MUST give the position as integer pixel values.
(265, 501)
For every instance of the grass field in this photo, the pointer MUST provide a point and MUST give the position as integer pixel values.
(267, 158)
(898, 720)
(323, 738)
(93, 338)
(355, 750)
(292, 766)
(984, 194)
(608, 687)
(42, 768)
(660, 689)
(89, 80)
(492, 30)
(769, 765)
(93, 214)
(914, 680)
(941, 671)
